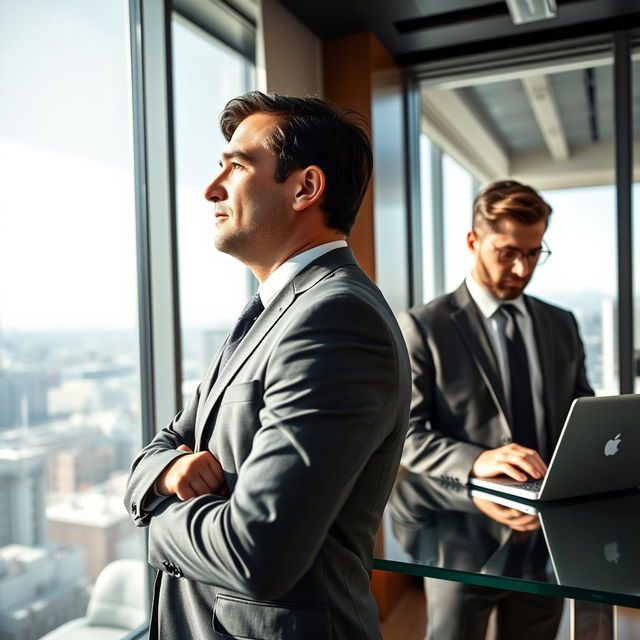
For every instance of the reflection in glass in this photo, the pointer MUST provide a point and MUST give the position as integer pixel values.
(572, 548)
(69, 411)
(438, 523)
(589, 543)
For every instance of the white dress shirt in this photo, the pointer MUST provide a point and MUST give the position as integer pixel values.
(489, 306)
(278, 280)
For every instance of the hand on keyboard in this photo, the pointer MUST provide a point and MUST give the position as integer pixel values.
(514, 460)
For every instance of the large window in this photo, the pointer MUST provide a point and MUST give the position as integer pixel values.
(457, 203)
(69, 375)
(214, 287)
(581, 273)
(87, 297)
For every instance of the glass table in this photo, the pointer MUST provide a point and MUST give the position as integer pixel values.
(586, 550)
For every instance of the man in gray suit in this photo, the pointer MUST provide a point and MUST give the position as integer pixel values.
(494, 370)
(264, 495)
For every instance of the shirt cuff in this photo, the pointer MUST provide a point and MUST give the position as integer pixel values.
(153, 499)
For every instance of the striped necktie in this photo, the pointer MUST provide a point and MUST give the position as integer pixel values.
(248, 316)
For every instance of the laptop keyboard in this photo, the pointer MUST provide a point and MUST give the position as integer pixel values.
(530, 485)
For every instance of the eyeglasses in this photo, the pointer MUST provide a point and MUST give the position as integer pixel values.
(509, 256)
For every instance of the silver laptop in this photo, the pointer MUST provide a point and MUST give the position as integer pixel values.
(597, 452)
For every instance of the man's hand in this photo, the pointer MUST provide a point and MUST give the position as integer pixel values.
(513, 460)
(513, 518)
(192, 475)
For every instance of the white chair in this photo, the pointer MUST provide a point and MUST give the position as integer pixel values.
(116, 606)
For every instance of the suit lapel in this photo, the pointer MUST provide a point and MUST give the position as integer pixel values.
(469, 324)
(308, 277)
(212, 371)
(248, 345)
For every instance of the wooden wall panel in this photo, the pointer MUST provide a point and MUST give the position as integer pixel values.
(347, 69)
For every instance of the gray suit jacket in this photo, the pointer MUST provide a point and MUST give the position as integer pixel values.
(307, 420)
(458, 408)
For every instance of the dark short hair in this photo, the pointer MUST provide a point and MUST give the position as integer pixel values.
(312, 131)
(508, 198)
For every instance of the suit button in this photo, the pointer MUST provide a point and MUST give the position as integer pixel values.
(505, 439)
(171, 569)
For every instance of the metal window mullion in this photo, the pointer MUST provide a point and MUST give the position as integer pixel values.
(413, 111)
(147, 409)
(624, 164)
(158, 321)
(437, 216)
(156, 212)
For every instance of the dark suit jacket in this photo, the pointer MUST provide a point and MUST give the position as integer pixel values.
(307, 420)
(458, 408)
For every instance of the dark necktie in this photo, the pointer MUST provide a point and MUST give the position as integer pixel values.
(248, 316)
(523, 423)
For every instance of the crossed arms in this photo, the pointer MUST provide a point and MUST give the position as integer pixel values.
(329, 401)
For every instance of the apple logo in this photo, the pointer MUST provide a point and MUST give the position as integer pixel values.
(611, 448)
(611, 552)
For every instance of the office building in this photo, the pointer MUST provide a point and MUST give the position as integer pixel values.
(23, 495)
(40, 589)
(96, 522)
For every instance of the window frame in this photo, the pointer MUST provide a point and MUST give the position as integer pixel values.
(233, 23)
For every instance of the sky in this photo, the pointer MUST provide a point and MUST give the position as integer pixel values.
(67, 216)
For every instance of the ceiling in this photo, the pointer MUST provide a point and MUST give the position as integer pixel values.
(550, 127)
(418, 31)
(546, 119)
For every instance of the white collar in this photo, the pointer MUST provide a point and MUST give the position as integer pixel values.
(279, 278)
(487, 302)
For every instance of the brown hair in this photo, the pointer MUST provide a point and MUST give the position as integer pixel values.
(314, 131)
(508, 198)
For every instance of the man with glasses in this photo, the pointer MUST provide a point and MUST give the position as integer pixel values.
(494, 370)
